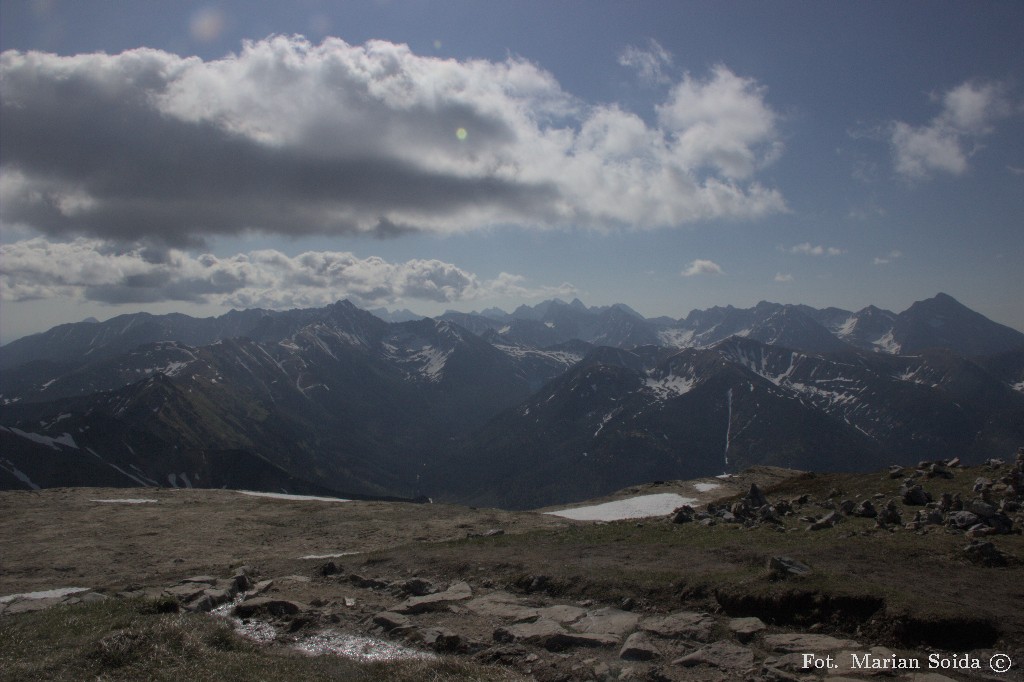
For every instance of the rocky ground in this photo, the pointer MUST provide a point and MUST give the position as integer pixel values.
(913, 565)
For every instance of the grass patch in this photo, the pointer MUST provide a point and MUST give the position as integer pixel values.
(134, 640)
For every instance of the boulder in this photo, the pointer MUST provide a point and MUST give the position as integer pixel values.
(608, 621)
(460, 591)
(390, 620)
(746, 629)
(266, 605)
(754, 499)
(865, 510)
(638, 648)
(985, 554)
(915, 495)
(962, 520)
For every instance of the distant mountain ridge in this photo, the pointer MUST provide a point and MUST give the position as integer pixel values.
(547, 404)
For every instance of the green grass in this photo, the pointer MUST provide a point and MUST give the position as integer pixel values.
(132, 640)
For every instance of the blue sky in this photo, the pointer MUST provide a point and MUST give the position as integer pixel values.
(434, 155)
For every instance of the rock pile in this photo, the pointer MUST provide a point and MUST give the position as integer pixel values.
(991, 512)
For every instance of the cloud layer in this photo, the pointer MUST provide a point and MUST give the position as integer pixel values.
(90, 269)
(292, 138)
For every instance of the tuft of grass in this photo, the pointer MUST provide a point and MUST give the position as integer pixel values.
(134, 640)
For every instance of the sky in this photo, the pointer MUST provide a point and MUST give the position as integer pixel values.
(203, 156)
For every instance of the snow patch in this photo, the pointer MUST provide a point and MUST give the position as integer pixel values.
(671, 386)
(676, 338)
(660, 504)
(706, 487)
(43, 594)
(329, 556)
(128, 500)
(886, 343)
(8, 466)
(1019, 386)
(66, 440)
(287, 496)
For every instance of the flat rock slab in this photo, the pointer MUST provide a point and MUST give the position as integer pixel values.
(552, 636)
(188, 591)
(799, 643)
(746, 629)
(460, 591)
(390, 620)
(266, 605)
(562, 613)
(721, 654)
(683, 624)
(502, 605)
(607, 621)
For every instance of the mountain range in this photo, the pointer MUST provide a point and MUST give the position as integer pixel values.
(551, 403)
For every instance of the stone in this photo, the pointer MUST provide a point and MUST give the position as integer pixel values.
(915, 495)
(798, 643)
(638, 648)
(721, 654)
(187, 591)
(681, 625)
(865, 510)
(683, 514)
(504, 606)
(746, 629)
(460, 591)
(784, 567)
(266, 605)
(985, 554)
(551, 636)
(262, 586)
(981, 508)
(609, 621)
(827, 521)
(390, 620)
(418, 587)
(562, 613)
(962, 520)
(754, 498)
(441, 639)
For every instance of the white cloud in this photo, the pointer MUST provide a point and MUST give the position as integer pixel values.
(888, 258)
(783, 277)
(946, 142)
(722, 123)
(701, 266)
(89, 269)
(809, 249)
(650, 62)
(288, 137)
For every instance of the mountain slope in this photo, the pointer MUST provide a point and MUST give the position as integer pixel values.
(619, 418)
